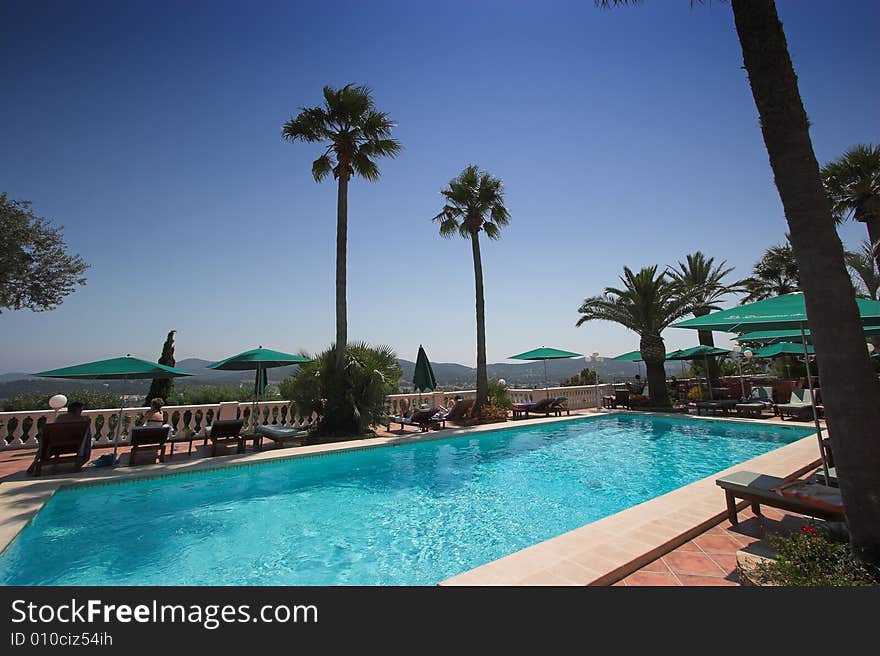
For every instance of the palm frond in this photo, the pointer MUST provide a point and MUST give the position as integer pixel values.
(322, 167)
(364, 166)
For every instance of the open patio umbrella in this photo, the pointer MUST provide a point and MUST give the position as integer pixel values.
(775, 336)
(258, 360)
(786, 312)
(697, 352)
(423, 375)
(545, 353)
(127, 368)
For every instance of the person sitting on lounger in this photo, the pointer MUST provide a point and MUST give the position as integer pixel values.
(154, 416)
(74, 413)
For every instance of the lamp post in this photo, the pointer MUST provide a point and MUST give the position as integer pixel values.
(738, 355)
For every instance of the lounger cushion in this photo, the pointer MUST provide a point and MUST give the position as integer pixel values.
(281, 433)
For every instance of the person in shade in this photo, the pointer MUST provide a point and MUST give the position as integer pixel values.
(154, 416)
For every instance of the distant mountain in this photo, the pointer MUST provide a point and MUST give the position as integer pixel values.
(449, 375)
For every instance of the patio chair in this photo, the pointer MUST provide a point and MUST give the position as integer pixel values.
(808, 499)
(759, 399)
(722, 405)
(153, 437)
(226, 410)
(560, 405)
(226, 431)
(621, 398)
(64, 442)
(800, 406)
(423, 418)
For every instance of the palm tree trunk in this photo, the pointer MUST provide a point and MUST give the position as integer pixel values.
(873, 225)
(850, 391)
(653, 352)
(341, 255)
(482, 376)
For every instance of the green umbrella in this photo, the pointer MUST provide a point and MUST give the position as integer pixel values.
(544, 353)
(774, 336)
(695, 353)
(423, 376)
(781, 348)
(258, 360)
(786, 312)
(632, 356)
(127, 368)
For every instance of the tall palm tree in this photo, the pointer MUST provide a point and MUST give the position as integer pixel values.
(864, 272)
(701, 279)
(775, 274)
(475, 203)
(850, 390)
(356, 134)
(646, 304)
(852, 183)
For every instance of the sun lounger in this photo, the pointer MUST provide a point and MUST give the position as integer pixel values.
(560, 405)
(750, 409)
(423, 418)
(225, 431)
(722, 405)
(832, 477)
(760, 489)
(149, 436)
(544, 406)
(456, 412)
(281, 435)
(800, 406)
(63, 442)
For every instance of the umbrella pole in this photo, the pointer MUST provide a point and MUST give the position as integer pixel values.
(256, 393)
(708, 378)
(546, 380)
(813, 406)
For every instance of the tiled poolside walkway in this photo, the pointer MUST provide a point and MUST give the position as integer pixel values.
(710, 559)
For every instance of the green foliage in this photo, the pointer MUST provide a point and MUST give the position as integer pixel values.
(696, 393)
(499, 395)
(36, 272)
(863, 271)
(92, 399)
(350, 400)
(814, 557)
(474, 202)
(701, 279)
(852, 183)
(585, 377)
(776, 273)
(160, 388)
(204, 394)
(489, 414)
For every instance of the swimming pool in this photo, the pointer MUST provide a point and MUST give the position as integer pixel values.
(413, 514)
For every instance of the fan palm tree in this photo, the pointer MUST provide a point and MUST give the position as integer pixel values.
(474, 204)
(865, 275)
(852, 183)
(646, 304)
(850, 390)
(356, 134)
(775, 274)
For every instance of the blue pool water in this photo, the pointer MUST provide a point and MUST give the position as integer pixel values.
(408, 515)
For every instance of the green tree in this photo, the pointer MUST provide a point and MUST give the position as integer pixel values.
(862, 266)
(474, 204)
(776, 273)
(850, 389)
(349, 400)
(585, 377)
(356, 134)
(36, 271)
(646, 304)
(702, 280)
(161, 388)
(852, 183)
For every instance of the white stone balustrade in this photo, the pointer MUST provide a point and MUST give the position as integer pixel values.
(18, 430)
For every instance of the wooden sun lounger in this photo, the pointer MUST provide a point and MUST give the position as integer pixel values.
(725, 405)
(544, 406)
(152, 437)
(225, 431)
(61, 443)
(758, 490)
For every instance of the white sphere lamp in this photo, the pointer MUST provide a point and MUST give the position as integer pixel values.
(57, 402)
(870, 347)
(748, 353)
(502, 382)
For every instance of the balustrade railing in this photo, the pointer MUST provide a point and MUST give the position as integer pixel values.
(19, 430)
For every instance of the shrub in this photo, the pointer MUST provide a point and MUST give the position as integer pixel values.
(639, 401)
(350, 400)
(696, 394)
(814, 557)
(489, 414)
(203, 394)
(499, 395)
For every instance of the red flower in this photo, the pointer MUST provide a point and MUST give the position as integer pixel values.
(809, 530)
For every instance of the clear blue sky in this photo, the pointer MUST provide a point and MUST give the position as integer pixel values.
(628, 137)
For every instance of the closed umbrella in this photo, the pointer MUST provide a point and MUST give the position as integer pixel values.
(544, 353)
(127, 368)
(258, 360)
(423, 376)
(786, 312)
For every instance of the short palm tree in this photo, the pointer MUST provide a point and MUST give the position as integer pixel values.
(474, 204)
(646, 304)
(356, 134)
(852, 183)
(776, 273)
(864, 271)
